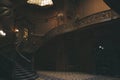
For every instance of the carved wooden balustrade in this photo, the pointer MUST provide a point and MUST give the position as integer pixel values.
(79, 23)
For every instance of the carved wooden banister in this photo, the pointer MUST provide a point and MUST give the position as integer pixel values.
(84, 22)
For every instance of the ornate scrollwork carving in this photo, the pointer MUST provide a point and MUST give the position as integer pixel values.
(95, 18)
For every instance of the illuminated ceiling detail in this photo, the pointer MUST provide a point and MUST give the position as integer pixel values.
(41, 2)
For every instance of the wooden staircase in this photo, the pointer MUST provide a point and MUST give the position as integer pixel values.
(24, 74)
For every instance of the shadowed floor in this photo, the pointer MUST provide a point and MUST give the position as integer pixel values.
(49, 75)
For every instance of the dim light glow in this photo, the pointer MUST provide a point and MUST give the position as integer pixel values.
(2, 33)
(16, 30)
(40, 2)
(101, 47)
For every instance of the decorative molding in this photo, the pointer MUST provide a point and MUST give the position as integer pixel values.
(96, 18)
(84, 22)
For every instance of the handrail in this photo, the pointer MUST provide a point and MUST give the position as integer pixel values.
(20, 54)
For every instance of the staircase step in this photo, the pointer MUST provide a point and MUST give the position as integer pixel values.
(27, 78)
(25, 73)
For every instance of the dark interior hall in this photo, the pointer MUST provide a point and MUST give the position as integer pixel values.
(59, 40)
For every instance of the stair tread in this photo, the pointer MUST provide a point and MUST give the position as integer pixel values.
(25, 73)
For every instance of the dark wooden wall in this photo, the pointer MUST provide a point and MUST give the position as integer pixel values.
(80, 51)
